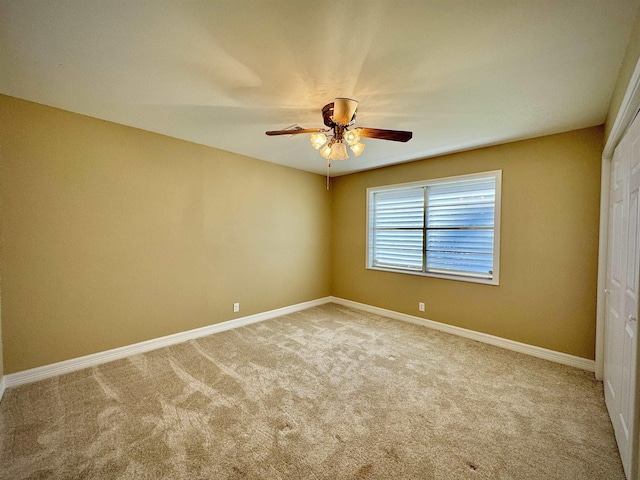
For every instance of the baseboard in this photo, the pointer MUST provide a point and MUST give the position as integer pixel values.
(74, 364)
(539, 352)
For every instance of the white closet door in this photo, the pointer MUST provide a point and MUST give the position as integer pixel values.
(623, 270)
(629, 398)
(615, 262)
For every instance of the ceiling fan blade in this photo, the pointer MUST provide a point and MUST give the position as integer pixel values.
(294, 132)
(343, 110)
(394, 135)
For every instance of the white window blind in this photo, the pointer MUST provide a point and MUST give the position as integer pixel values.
(398, 239)
(460, 224)
(445, 227)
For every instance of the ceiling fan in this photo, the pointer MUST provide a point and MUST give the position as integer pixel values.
(339, 116)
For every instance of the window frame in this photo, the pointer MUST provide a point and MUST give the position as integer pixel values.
(460, 276)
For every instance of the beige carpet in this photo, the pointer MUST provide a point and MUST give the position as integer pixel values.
(327, 393)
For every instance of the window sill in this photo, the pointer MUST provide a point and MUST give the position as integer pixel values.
(445, 276)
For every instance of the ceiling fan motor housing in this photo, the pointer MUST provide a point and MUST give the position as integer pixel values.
(343, 114)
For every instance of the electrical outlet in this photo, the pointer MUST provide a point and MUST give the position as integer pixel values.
(421, 306)
(236, 307)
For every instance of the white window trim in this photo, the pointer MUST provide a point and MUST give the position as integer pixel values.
(495, 280)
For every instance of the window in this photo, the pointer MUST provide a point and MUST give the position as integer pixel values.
(447, 228)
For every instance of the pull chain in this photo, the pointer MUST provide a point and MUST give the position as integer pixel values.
(328, 167)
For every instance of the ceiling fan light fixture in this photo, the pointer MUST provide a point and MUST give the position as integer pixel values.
(326, 151)
(339, 151)
(318, 140)
(357, 148)
(331, 142)
(352, 137)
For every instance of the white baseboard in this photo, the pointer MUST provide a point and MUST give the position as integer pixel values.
(3, 386)
(74, 364)
(539, 352)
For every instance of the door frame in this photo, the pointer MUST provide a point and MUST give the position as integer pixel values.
(627, 112)
(629, 107)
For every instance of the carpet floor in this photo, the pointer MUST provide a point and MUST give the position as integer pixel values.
(325, 393)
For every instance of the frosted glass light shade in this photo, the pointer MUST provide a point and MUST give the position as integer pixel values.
(351, 137)
(338, 151)
(357, 148)
(318, 139)
(326, 152)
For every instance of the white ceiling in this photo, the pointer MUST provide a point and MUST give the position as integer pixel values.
(459, 73)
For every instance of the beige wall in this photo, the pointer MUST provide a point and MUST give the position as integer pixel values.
(626, 70)
(113, 235)
(1, 354)
(550, 203)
